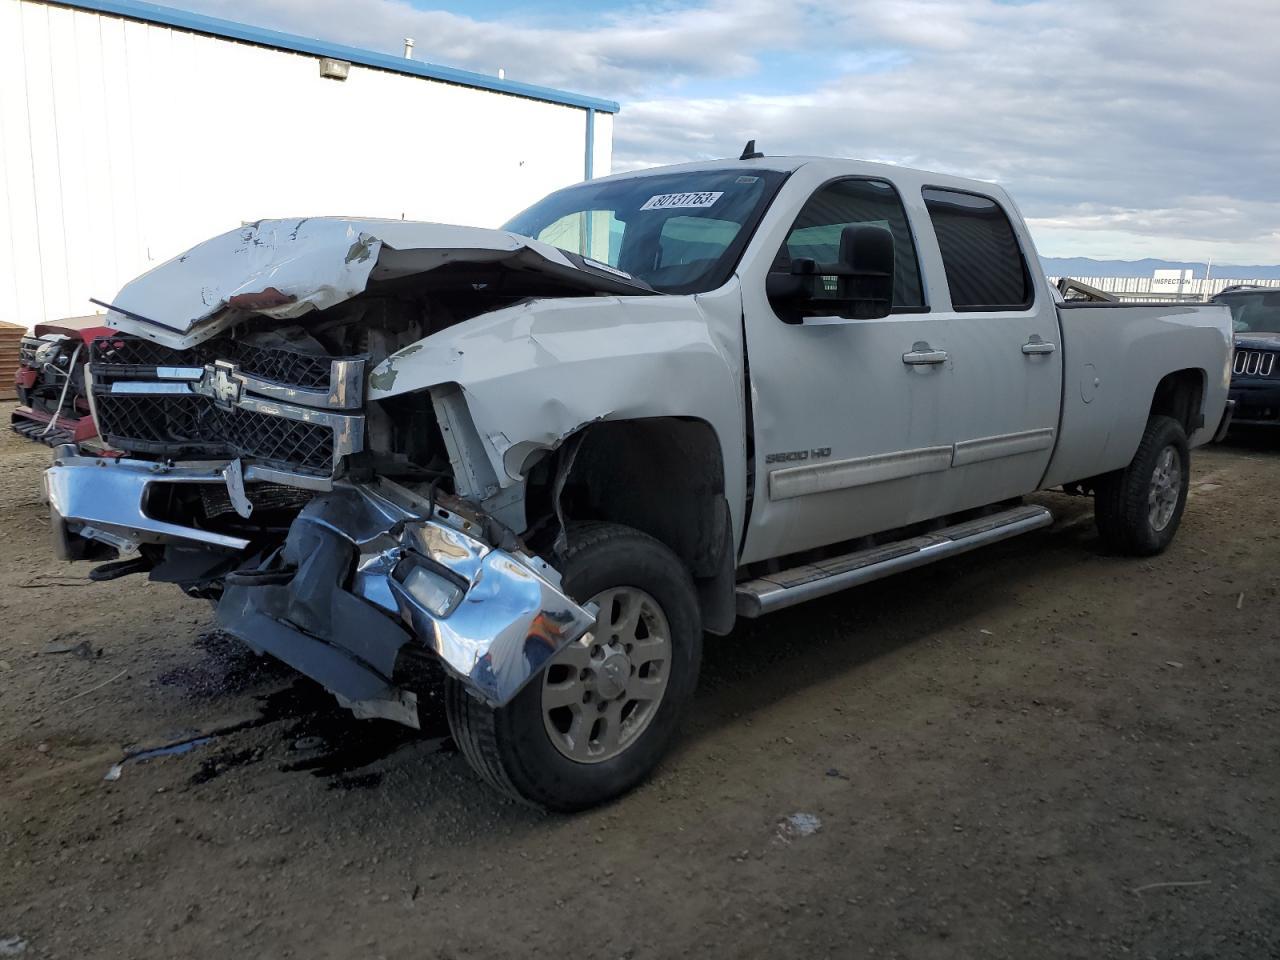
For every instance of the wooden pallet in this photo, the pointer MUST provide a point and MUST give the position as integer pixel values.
(10, 337)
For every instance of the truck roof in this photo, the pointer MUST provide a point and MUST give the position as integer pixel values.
(839, 166)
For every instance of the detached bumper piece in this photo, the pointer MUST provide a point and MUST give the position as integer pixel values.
(368, 569)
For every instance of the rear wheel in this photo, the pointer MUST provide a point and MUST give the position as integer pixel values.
(600, 716)
(1138, 509)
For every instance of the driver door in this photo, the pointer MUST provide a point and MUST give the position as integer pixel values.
(849, 416)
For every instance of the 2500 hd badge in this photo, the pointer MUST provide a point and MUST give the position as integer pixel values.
(793, 456)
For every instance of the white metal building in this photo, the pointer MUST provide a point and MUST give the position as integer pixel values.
(130, 132)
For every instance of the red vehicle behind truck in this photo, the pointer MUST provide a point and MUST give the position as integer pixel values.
(54, 405)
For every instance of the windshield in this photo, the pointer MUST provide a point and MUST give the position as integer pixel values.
(678, 232)
(1257, 311)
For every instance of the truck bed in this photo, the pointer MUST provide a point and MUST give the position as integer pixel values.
(1114, 357)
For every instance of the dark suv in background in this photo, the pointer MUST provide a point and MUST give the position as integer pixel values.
(1255, 374)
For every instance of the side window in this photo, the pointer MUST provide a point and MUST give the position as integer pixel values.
(985, 268)
(816, 232)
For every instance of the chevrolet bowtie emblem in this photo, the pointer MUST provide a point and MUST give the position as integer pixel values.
(221, 383)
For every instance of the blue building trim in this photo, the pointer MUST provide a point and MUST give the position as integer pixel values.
(588, 172)
(217, 27)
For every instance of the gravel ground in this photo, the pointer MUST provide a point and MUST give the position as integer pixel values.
(1037, 750)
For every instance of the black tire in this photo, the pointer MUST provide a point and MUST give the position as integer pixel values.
(1121, 505)
(510, 748)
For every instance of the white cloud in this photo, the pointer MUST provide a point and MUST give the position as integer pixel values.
(1146, 126)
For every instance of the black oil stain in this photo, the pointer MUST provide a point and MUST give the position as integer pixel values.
(220, 763)
(349, 744)
(356, 781)
(319, 736)
(228, 667)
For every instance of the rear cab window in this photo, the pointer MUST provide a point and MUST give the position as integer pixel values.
(985, 268)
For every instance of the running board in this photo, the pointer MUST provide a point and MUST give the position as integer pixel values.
(776, 591)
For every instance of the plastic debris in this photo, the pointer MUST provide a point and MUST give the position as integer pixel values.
(83, 648)
(798, 825)
(12, 946)
(142, 756)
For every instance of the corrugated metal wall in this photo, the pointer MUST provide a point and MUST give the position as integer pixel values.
(123, 143)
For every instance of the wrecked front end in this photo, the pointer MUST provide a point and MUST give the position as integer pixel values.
(365, 573)
(368, 569)
(334, 532)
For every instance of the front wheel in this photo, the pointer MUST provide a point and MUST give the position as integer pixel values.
(602, 713)
(1138, 509)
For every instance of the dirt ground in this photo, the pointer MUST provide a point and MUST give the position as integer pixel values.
(1037, 750)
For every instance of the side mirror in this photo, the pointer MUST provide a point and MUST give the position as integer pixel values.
(858, 286)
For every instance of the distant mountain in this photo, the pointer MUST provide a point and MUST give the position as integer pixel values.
(1088, 267)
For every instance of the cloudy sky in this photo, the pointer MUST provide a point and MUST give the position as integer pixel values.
(1124, 128)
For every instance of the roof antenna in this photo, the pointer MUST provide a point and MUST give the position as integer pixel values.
(749, 152)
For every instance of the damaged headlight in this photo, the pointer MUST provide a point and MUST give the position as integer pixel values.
(432, 589)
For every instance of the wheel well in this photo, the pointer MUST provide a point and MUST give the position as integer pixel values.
(663, 476)
(1180, 395)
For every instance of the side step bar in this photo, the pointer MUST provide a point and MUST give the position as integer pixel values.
(776, 591)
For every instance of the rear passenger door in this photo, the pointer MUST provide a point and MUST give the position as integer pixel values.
(1003, 349)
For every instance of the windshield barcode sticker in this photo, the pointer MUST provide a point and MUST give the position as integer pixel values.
(667, 201)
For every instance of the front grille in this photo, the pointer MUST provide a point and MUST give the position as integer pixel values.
(1255, 363)
(186, 426)
(227, 398)
(277, 364)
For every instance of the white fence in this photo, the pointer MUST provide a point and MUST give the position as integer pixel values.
(1141, 288)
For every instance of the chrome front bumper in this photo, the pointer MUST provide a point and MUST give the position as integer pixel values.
(105, 500)
(365, 570)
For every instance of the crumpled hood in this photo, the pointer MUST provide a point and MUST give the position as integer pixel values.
(287, 268)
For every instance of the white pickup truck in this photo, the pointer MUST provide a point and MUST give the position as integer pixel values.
(547, 458)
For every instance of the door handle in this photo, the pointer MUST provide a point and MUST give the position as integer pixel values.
(1036, 346)
(923, 354)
